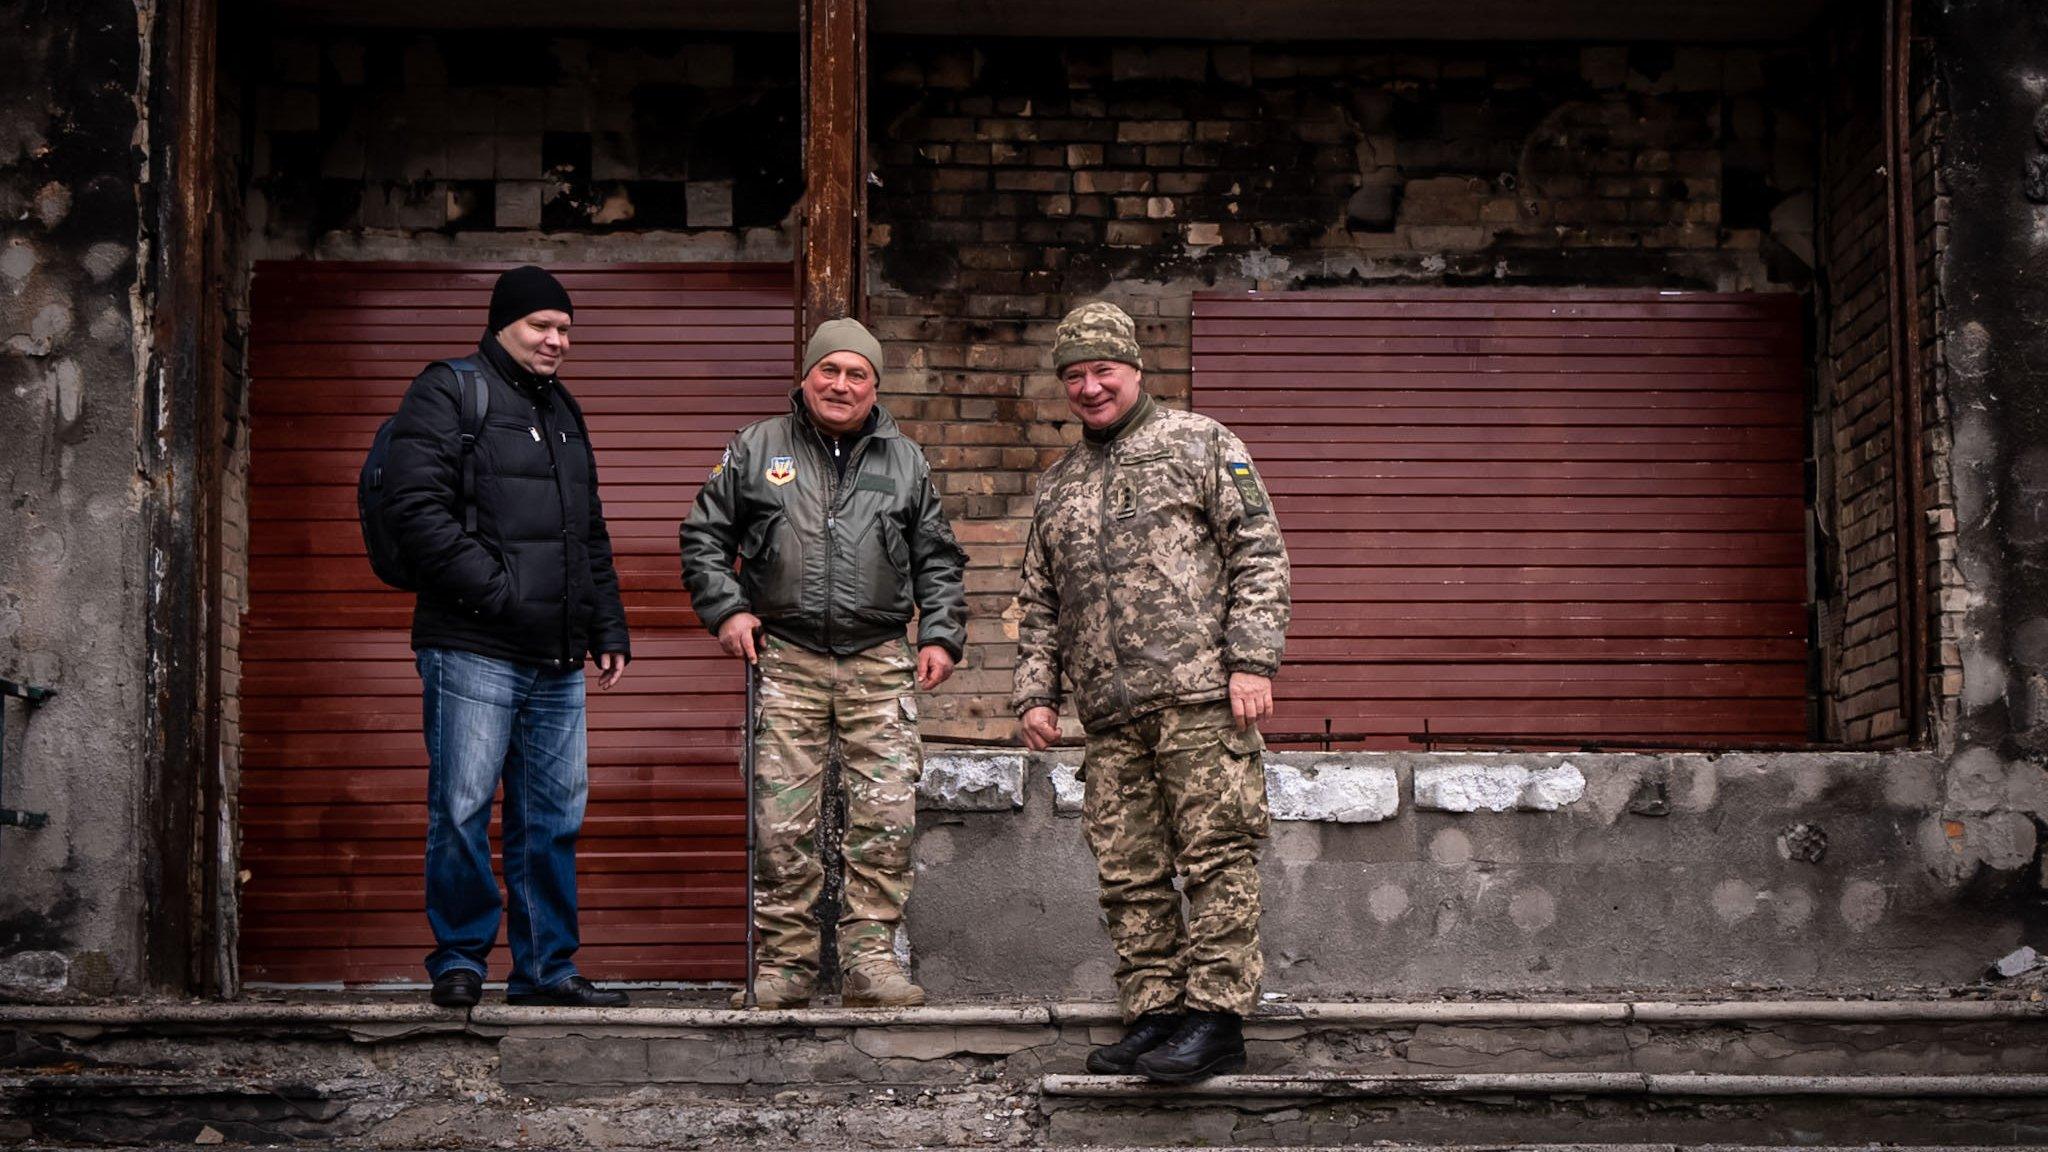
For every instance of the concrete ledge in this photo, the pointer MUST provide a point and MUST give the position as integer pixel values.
(1545, 1083)
(1081, 1013)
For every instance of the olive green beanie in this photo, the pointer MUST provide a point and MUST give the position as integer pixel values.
(843, 335)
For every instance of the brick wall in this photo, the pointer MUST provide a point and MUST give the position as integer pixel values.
(450, 143)
(1020, 178)
(230, 260)
(1856, 550)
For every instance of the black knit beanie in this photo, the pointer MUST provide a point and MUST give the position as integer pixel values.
(522, 292)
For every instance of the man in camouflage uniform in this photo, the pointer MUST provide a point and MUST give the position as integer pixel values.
(838, 534)
(1155, 579)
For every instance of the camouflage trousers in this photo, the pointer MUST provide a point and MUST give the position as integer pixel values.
(869, 701)
(1179, 792)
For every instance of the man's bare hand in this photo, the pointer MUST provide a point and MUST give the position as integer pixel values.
(610, 667)
(934, 664)
(1251, 698)
(1040, 728)
(736, 636)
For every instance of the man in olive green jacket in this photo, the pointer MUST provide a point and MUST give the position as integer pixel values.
(839, 536)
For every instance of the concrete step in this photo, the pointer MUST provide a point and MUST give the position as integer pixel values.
(1585, 1106)
(390, 1074)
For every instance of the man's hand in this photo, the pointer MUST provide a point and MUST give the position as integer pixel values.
(934, 664)
(1251, 698)
(611, 666)
(1040, 728)
(736, 636)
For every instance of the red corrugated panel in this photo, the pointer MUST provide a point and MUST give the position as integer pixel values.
(1571, 514)
(667, 361)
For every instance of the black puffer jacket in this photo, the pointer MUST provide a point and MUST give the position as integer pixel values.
(535, 584)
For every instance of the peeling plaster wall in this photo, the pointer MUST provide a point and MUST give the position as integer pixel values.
(72, 577)
(1995, 168)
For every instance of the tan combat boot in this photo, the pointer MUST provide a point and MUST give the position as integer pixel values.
(879, 984)
(776, 990)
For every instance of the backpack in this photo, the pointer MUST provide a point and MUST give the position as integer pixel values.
(386, 560)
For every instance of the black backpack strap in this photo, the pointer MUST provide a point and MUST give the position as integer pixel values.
(474, 395)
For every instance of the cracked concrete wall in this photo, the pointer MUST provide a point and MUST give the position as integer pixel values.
(71, 539)
(1673, 874)
(1995, 790)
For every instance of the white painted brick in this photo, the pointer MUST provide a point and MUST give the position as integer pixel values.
(1339, 793)
(1500, 787)
(972, 782)
(1067, 786)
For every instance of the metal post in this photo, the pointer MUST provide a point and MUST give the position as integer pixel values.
(753, 715)
(830, 255)
(31, 696)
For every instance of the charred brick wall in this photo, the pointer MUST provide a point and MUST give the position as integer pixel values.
(1856, 554)
(467, 143)
(1019, 178)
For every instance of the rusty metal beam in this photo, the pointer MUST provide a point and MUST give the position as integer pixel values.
(181, 459)
(830, 267)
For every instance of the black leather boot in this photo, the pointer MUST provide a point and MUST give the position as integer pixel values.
(572, 992)
(1206, 1044)
(457, 988)
(1145, 1033)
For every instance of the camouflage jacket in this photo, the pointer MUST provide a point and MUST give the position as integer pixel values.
(1154, 569)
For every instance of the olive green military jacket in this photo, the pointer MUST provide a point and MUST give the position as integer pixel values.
(830, 564)
(1154, 570)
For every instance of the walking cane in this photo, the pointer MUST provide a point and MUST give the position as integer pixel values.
(753, 711)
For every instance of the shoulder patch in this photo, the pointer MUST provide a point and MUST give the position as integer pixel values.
(718, 469)
(1247, 482)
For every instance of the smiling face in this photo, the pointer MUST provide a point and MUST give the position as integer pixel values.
(840, 392)
(538, 341)
(1101, 391)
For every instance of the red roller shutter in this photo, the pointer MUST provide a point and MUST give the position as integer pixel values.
(667, 362)
(1565, 514)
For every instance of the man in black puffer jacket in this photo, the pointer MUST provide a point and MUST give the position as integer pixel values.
(505, 617)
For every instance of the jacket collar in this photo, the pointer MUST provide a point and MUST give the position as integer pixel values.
(509, 370)
(1130, 422)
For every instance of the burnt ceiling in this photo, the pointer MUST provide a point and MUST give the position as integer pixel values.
(1609, 20)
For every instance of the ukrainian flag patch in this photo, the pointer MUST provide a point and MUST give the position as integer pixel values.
(1247, 482)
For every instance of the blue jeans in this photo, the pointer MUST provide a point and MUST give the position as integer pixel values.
(489, 720)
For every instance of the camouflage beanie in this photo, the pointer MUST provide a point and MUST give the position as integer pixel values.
(1098, 331)
(842, 335)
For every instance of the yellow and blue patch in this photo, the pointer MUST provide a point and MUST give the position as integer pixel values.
(781, 470)
(1247, 482)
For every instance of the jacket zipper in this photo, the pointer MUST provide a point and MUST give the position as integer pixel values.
(1123, 689)
(547, 438)
(832, 501)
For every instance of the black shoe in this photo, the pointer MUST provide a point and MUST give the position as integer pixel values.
(457, 988)
(1145, 1033)
(573, 992)
(1206, 1044)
